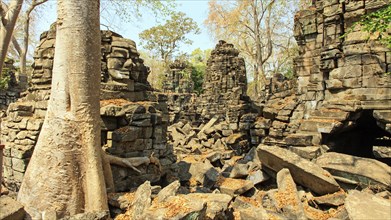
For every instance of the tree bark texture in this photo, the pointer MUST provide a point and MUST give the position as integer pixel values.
(7, 24)
(65, 173)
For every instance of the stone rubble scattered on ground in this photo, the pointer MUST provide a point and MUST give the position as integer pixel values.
(222, 155)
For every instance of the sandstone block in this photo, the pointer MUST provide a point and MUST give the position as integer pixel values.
(363, 171)
(375, 207)
(11, 209)
(303, 171)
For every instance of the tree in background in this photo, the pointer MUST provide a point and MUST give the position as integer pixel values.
(8, 17)
(260, 29)
(164, 40)
(156, 76)
(198, 62)
(132, 10)
(25, 22)
(65, 173)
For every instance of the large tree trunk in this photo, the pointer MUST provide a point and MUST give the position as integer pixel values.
(7, 25)
(65, 173)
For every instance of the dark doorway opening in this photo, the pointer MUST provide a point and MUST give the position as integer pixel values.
(359, 138)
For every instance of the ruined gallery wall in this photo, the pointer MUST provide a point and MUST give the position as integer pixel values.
(134, 120)
(338, 78)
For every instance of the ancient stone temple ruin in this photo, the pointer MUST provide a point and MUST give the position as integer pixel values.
(134, 121)
(342, 98)
(313, 149)
(11, 89)
(225, 85)
(177, 79)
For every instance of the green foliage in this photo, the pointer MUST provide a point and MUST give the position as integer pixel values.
(198, 61)
(129, 10)
(376, 22)
(163, 40)
(5, 79)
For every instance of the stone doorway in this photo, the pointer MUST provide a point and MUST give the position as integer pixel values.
(360, 137)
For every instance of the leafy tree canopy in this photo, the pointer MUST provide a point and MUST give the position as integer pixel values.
(165, 39)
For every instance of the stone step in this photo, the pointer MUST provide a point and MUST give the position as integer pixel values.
(383, 115)
(325, 113)
(344, 105)
(320, 125)
(304, 139)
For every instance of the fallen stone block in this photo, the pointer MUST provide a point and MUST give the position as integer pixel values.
(257, 177)
(239, 170)
(168, 191)
(304, 172)
(177, 207)
(362, 205)
(202, 173)
(88, 216)
(11, 209)
(361, 171)
(208, 125)
(248, 209)
(141, 201)
(287, 196)
(234, 187)
(216, 203)
(335, 199)
(308, 153)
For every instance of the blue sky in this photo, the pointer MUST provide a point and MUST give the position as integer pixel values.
(195, 9)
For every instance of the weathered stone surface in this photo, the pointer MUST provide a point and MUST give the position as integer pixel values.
(216, 203)
(141, 201)
(287, 197)
(335, 199)
(177, 207)
(362, 205)
(257, 177)
(363, 171)
(248, 209)
(11, 209)
(202, 173)
(89, 216)
(168, 191)
(239, 170)
(234, 187)
(303, 171)
(308, 153)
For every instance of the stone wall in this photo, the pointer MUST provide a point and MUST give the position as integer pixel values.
(12, 91)
(225, 85)
(341, 81)
(176, 79)
(134, 120)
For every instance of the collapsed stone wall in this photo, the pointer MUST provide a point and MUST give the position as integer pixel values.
(341, 81)
(176, 80)
(224, 91)
(225, 85)
(12, 90)
(134, 120)
(180, 95)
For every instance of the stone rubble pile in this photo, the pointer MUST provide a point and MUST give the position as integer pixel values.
(267, 183)
(298, 156)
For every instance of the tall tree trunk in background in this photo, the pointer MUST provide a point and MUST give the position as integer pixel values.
(26, 32)
(65, 173)
(7, 25)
